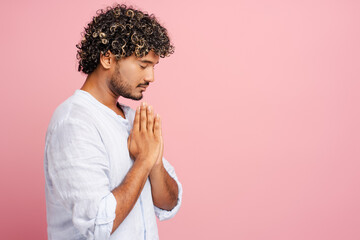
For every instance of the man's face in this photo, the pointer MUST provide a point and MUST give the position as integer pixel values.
(132, 75)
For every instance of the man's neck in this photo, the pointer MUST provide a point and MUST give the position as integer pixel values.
(98, 89)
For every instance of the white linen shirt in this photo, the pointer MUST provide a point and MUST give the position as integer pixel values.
(86, 157)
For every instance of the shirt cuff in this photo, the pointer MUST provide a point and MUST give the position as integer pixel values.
(105, 217)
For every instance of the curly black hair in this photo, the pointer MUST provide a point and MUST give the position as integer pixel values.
(123, 31)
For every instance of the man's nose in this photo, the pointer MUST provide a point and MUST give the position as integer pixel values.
(149, 75)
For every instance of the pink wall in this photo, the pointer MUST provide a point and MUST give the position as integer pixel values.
(260, 107)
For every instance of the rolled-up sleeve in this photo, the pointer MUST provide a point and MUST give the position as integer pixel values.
(165, 214)
(105, 217)
(78, 169)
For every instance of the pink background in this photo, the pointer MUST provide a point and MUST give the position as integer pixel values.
(260, 108)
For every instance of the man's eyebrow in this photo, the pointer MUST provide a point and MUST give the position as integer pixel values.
(148, 61)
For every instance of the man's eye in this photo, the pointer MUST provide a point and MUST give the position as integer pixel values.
(143, 67)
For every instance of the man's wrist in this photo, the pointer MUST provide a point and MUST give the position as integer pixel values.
(144, 163)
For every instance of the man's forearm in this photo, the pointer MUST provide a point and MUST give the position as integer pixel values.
(127, 193)
(164, 189)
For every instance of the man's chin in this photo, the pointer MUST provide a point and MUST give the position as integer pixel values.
(136, 98)
(139, 98)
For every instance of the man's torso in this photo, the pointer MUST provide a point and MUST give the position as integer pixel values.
(113, 131)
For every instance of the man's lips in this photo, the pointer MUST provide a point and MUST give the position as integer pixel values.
(143, 86)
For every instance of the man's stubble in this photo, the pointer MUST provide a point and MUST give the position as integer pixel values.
(121, 88)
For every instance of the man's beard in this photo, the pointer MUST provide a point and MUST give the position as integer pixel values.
(120, 88)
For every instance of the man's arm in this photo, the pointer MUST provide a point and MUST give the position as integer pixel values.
(144, 147)
(163, 187)
(127, 193)
(164, 190)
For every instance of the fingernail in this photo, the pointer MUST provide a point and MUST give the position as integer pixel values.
(149, 108)
(138, 109)
(143, 104)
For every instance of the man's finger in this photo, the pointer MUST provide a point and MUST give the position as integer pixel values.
(136, 125)
(143, 121)
(162, 148)
(157, 126)
(150, 118)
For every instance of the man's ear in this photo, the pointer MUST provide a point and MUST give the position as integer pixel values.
(106, 59)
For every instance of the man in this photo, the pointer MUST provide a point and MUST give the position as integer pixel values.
(106, 177)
